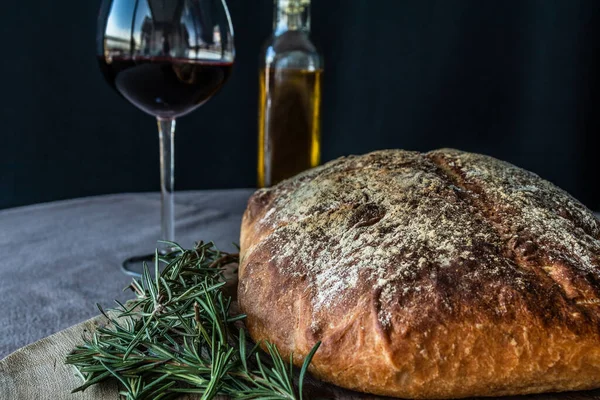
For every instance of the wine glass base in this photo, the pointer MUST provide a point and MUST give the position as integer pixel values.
(133, 266)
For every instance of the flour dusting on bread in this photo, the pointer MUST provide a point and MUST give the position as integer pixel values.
(387, 218)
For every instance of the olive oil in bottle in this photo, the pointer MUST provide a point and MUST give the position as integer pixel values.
(290, 97)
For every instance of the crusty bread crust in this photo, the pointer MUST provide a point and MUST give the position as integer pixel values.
(438, 275)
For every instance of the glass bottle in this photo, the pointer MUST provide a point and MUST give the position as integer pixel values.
(291, 71)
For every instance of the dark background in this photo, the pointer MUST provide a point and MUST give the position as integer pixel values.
(514, 79)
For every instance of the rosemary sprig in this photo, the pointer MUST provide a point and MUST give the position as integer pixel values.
(178, 336)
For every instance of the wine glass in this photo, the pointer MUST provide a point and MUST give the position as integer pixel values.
(167, 57)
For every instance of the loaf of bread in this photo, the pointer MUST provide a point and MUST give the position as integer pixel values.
(437, 275)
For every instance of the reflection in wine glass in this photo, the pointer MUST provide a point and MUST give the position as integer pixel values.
(167, 57)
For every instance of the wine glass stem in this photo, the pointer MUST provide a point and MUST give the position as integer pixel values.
(166, 132)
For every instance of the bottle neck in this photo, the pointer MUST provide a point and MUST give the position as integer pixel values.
(291, 15)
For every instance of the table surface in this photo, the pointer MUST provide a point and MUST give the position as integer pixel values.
(59, 259)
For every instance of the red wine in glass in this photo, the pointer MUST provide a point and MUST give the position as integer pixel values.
(166, 57)
(165, 87)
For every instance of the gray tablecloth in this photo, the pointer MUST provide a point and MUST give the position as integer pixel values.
(59, 259)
